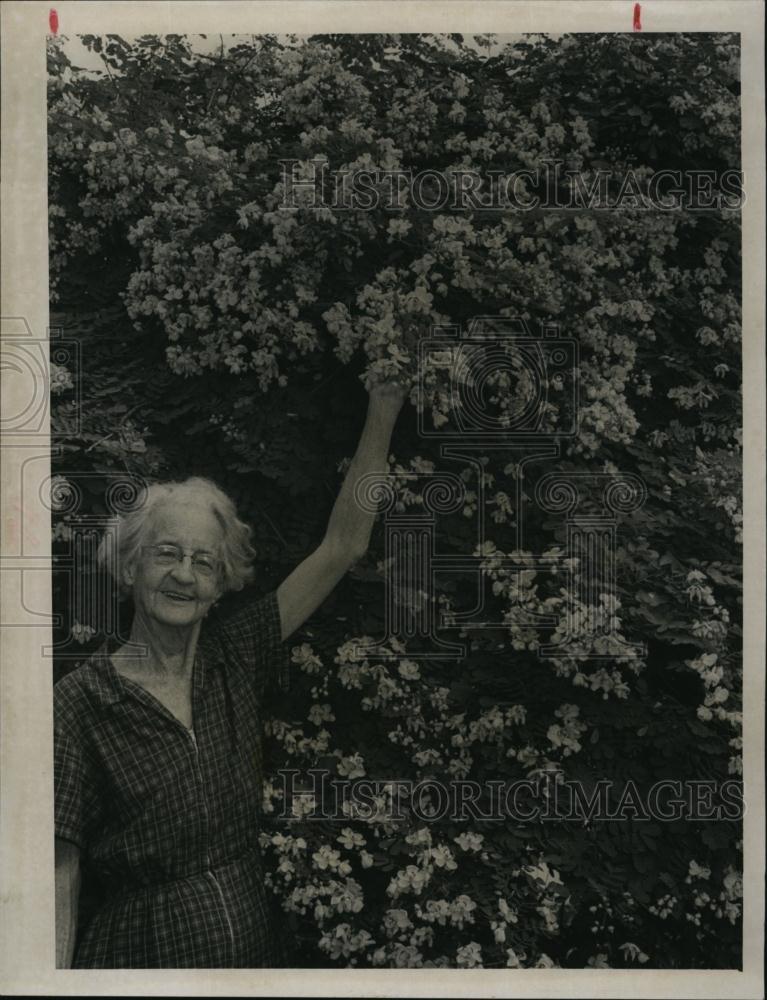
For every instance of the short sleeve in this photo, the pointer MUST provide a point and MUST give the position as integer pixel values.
(253, 634)
(77, 809)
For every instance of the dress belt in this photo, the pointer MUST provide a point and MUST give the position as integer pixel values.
(252, 853)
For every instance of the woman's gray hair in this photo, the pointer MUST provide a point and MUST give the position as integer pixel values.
(120, 546)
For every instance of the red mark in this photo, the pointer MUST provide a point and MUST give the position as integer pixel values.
(637, 17)
(53, 21)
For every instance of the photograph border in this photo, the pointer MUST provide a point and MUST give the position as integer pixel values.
(27, 952)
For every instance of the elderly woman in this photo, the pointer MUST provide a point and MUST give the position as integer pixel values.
(158, 744)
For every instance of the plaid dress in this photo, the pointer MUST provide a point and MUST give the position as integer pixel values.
(167, 819)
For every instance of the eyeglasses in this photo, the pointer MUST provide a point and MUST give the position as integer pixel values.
(203, 563)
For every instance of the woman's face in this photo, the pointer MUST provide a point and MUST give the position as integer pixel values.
(177, 595)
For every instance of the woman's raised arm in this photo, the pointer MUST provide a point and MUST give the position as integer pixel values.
(349, 527)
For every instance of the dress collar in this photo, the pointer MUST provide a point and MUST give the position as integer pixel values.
(109, 687)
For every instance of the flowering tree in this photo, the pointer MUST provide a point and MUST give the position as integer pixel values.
(227, 321)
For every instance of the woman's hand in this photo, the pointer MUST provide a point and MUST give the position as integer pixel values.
(386, 398)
